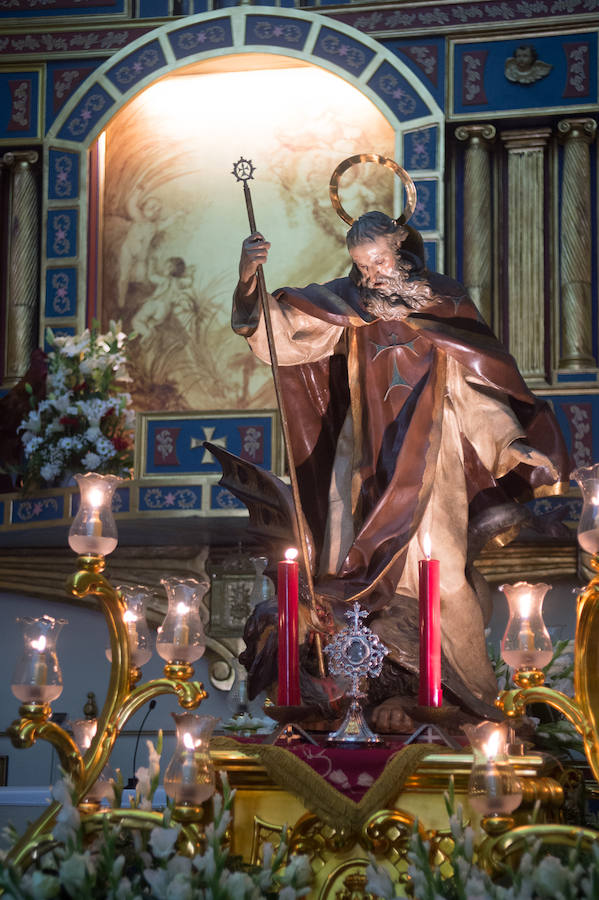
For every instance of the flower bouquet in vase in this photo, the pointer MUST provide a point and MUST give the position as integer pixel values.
(84, 423)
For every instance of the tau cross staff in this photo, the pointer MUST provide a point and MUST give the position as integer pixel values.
(243, 170)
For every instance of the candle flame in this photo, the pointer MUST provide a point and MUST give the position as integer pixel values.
(40, 644)
(90, 731)
(96, 497)
(291, 554)
(129, 616)
(525, 601)
(595, 500)
(427, 545)
(182, 608)
(188, 741)
(491, 748)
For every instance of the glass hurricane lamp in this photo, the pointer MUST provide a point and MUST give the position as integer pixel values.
(526, 645)
(588, 525)
(140, 647)
(93, 532)
(37, 677)
(493, 788)
(189, 777)
(84, 731)
(181, 637)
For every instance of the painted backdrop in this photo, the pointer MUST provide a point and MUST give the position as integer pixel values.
(174, 216)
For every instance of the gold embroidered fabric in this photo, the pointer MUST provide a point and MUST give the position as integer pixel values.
(318, 795)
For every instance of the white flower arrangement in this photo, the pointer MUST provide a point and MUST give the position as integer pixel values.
(540, 875)
(84, 422)
(130, 863)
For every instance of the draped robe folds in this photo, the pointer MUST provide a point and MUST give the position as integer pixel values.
(399, 428)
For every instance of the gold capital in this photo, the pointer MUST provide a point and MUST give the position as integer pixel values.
(577, 130)
(19, 156)
(476, 133)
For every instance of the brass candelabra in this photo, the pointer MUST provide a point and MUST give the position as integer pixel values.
(125, 696)
(504, 841)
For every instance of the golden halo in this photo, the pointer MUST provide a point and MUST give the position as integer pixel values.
(381, 161)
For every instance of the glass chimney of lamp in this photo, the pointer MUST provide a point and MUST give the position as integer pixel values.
(37, 677)
(94, 532)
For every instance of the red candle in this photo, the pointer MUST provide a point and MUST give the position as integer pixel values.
(288, 572)
(429, 690)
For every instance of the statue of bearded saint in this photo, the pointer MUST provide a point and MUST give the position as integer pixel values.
(392, 290)
(407, 418)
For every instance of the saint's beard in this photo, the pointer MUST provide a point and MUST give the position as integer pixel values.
(397, 295)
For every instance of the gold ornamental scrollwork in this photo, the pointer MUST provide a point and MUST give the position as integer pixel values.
(339, 856)
(266, 833)
(387, 833)
(317, 839)
(354, 888)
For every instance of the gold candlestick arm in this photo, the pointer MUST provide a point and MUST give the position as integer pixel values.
(121, 702)
(25, 732)
(497, 852)
(513, 704)
(189, 694)
(586, 655)
(582, 711)
(22, 852)
(190, 837)
(89, 579)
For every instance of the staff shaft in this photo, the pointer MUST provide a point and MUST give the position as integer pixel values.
(285, 426)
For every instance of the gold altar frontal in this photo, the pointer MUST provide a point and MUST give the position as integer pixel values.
(339, 845)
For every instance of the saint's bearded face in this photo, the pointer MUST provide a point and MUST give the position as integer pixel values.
(388, 288)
